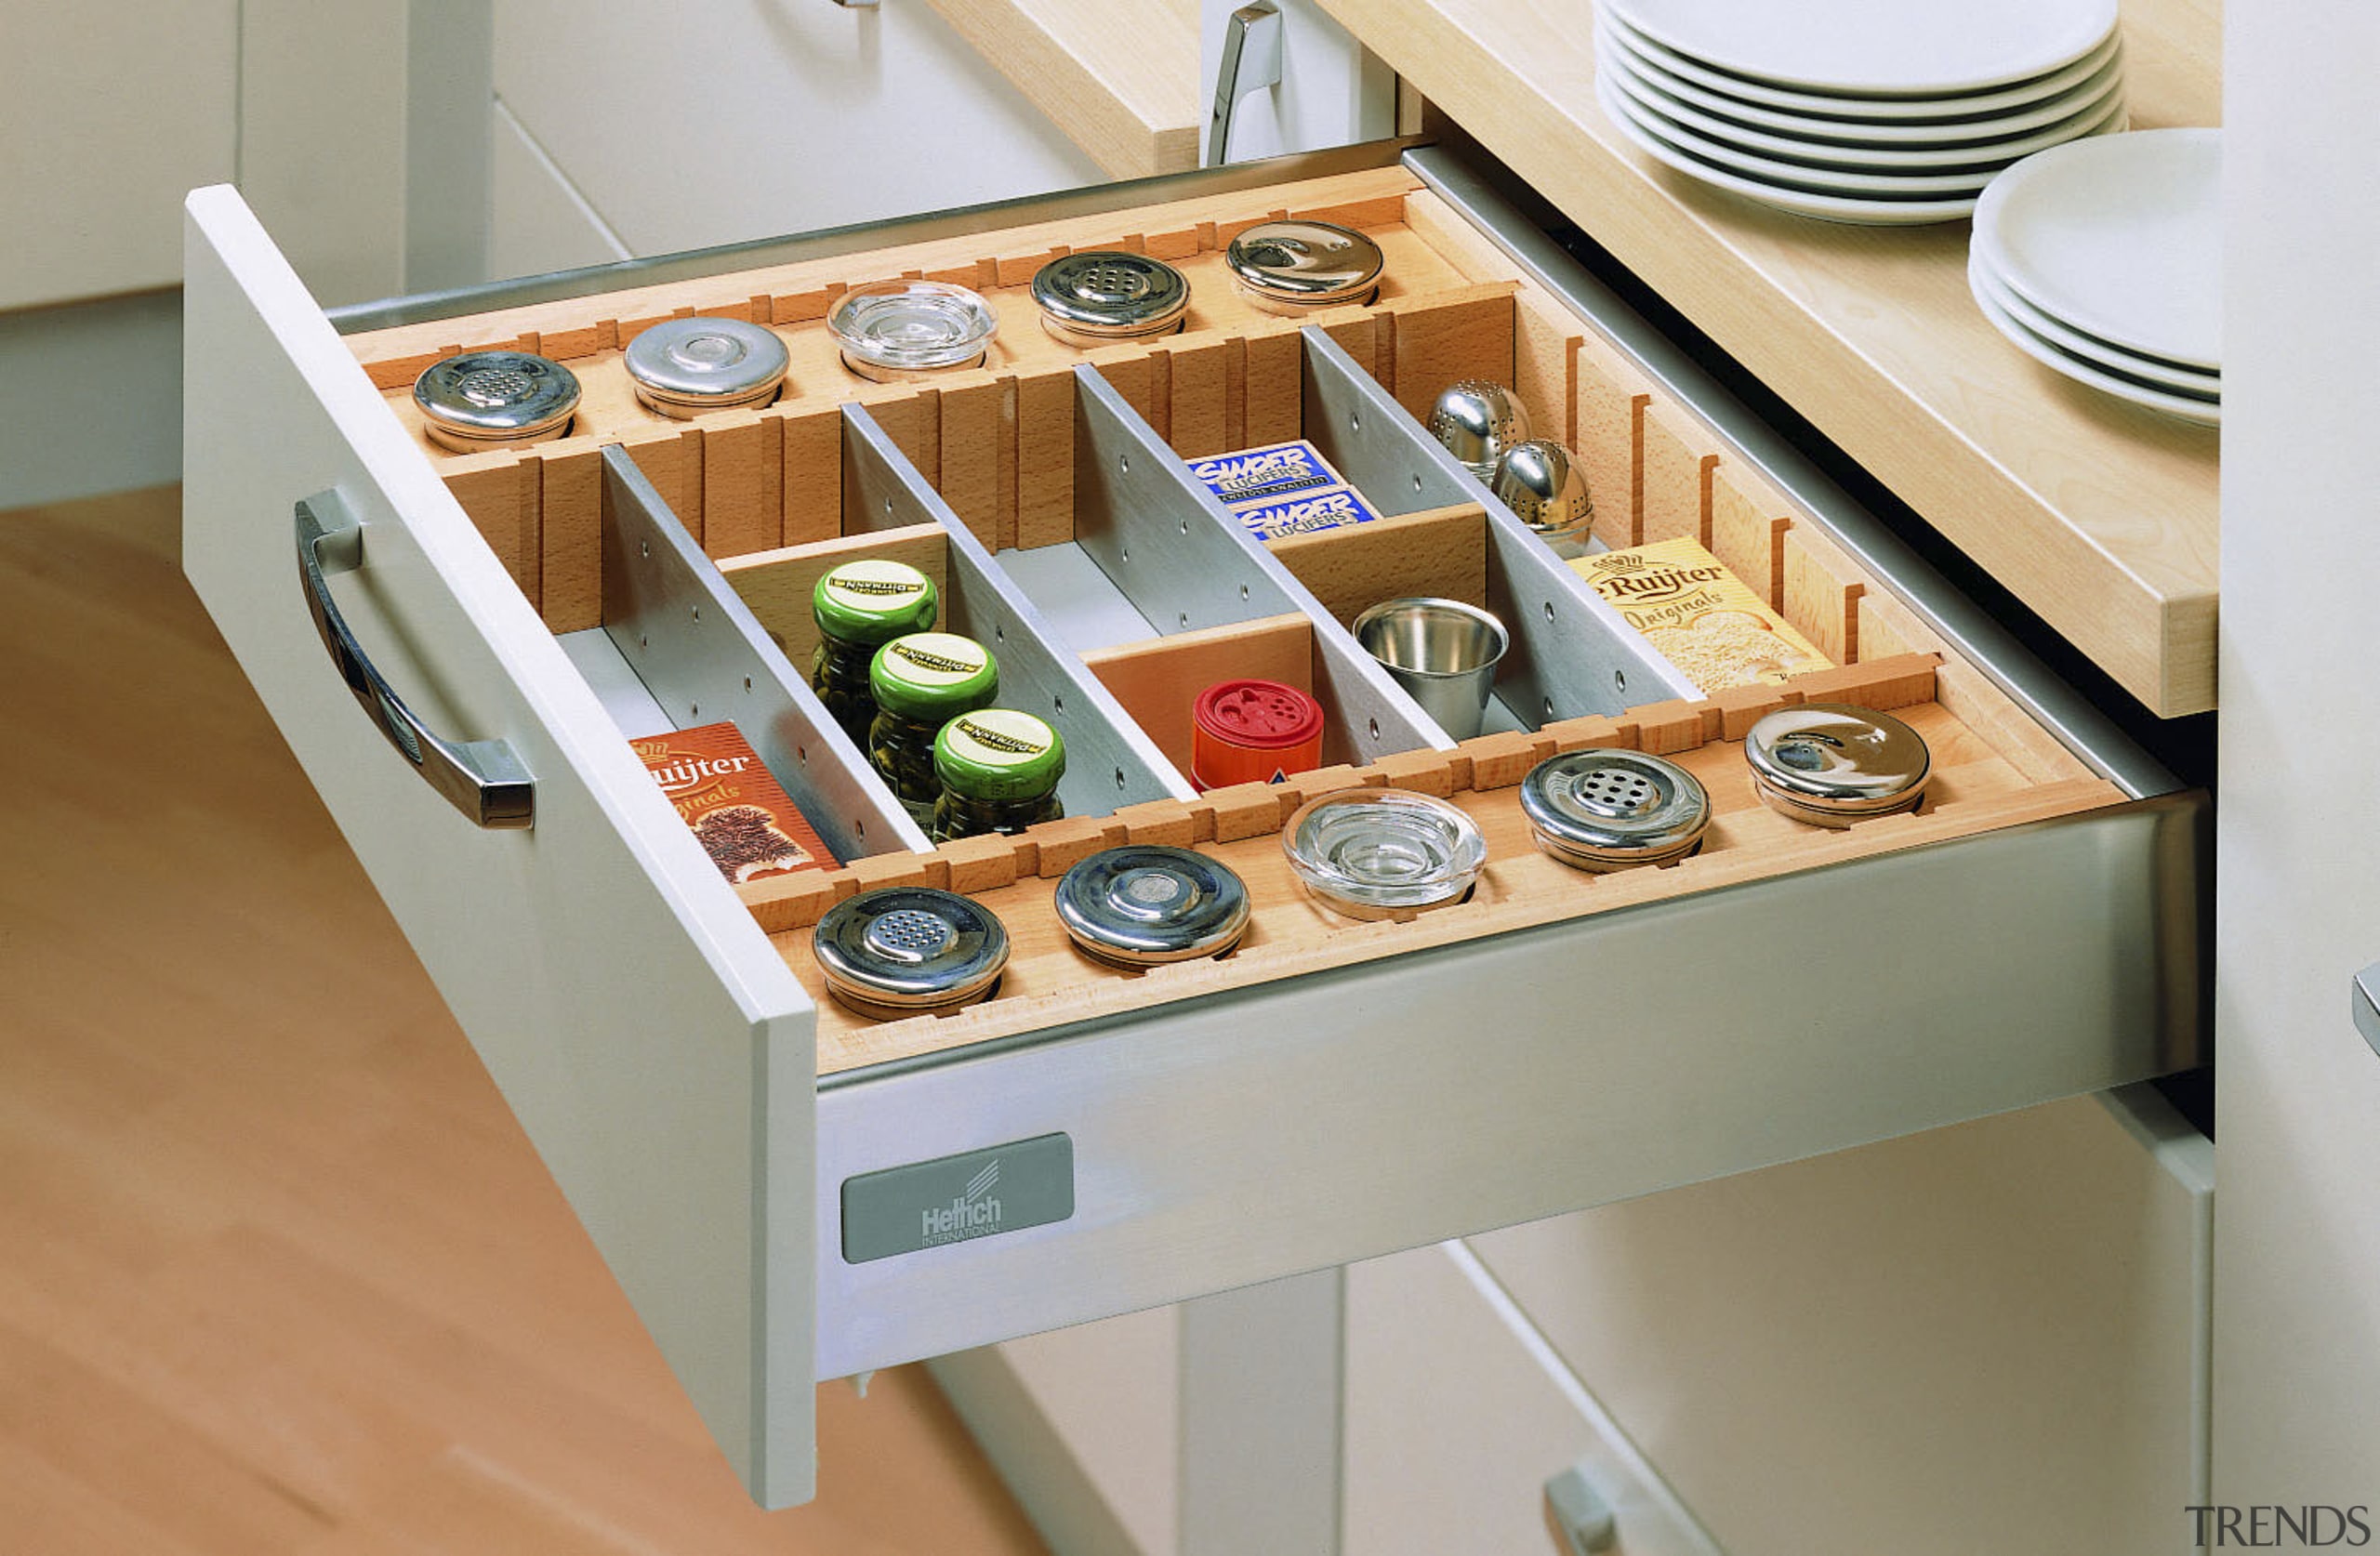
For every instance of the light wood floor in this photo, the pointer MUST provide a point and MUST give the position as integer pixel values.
(278, 1273)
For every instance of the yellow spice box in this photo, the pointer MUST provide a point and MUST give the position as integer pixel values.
(1700, 616)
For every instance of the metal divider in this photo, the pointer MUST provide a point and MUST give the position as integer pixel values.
(699, 651)
(1570, 654)
(1110, 762)
(1184, 563)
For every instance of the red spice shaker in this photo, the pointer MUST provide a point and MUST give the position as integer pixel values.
(1243, 732)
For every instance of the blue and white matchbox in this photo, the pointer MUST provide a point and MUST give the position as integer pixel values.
(1326, 509)
(1265, 475)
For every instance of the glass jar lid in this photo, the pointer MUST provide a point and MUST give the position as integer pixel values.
(1834, 764)
(932, 676)
(705, 364)
(1604, 809)
(1299, 265)
(495, 397)
(998, 755)
(894, 328)
(1110, 293)
(1373, 853)
(1143, 905)
(905, 950)
(873, 600)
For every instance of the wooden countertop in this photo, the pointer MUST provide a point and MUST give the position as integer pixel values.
(2099, 516)
(1122, 87)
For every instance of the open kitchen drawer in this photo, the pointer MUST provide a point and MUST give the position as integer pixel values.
(1332, 1090)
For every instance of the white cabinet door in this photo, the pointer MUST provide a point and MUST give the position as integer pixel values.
(654, 1046)
(2297, 1277)
(109, 115)
(720, 121)
(1982, 1337)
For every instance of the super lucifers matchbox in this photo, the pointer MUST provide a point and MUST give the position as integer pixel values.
(1271, 474)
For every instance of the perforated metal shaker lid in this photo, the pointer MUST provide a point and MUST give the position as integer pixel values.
(906, 949)
(495, 397)
(1110, 293)
(1144, 904)
(1833, 764)
(1608, 810)
(698, 364)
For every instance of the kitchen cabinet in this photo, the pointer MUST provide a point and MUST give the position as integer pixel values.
(664, 1036)
(2298, 1279)
(1859, 1351)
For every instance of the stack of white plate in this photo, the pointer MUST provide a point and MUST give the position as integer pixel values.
(2104, 262)
(1883, 111)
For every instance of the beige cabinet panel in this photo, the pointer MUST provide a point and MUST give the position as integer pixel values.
(718, 121)
(110, 114)
(1879, 1349)
(540, 223)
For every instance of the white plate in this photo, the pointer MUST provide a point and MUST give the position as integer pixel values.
(1954, 109)
(1827, 180)
(2183, 407)
(2121, 238)
(1826, 207)
(1982, 129)
(1886, 47)
(2165, 375)
(1993, 154)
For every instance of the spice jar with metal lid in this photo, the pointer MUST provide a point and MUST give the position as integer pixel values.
(1600, 810)
(921, 683)
(483, 399)
(1296, 267)
(859, 607)
(999, 771)
(1145, 904)
(1832, 765)
(1098, 296)
(1382, 853)
(682, 367)
(909, 951)
(895, 330)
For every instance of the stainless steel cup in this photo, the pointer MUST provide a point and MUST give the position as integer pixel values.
(1443, 651)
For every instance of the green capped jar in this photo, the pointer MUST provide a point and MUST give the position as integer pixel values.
(999, 771)
(921, 683)
(860, 607)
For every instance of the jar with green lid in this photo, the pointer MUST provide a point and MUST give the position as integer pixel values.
(921, 683)
(859, 607)
(999, 771)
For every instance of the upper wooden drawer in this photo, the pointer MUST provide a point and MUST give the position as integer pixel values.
(2097, 515)
(1331, 1091)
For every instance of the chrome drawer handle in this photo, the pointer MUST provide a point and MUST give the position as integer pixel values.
(480, 778)
(1252, 60)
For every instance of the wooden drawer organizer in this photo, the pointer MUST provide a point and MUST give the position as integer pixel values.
(989, 460)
